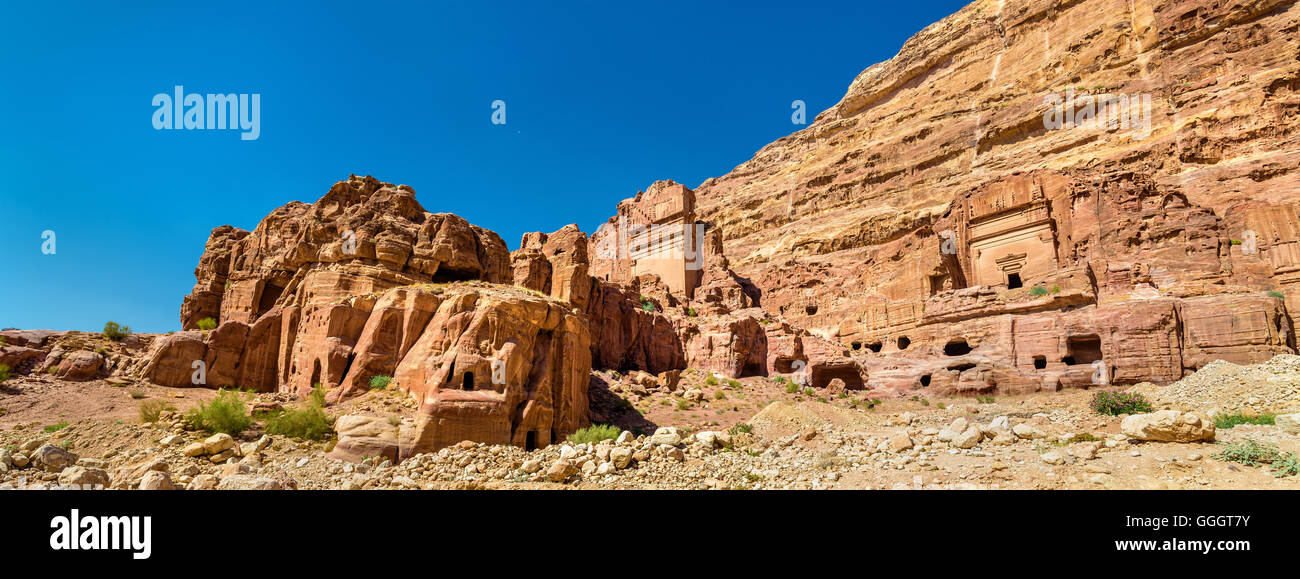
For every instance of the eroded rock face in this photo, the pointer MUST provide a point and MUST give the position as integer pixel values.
(365, 283)
(498, 365)
(933, 222)
(363, 236)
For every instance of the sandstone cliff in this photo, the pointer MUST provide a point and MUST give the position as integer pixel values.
(936, 203)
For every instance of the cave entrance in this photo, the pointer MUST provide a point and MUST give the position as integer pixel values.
(1040, 362)
(956, 348)
(468, 384)
(1013, 281)
(925, 380)
(875, 347)
(1083, 349)
(822, 376)
(904, 342)
(271, 292)
(530, 440)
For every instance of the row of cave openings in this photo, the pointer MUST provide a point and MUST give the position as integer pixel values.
(902, 343)
(1080, 350)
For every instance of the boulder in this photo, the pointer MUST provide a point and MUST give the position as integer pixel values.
(1288, 422)
(1168, 426)
(84, 476)
(80, 366)
(156, 480)
(52, 458)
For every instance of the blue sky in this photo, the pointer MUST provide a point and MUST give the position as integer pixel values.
(602, 98)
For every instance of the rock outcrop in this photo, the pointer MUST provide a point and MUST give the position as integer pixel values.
(365, 283)
(363, 236)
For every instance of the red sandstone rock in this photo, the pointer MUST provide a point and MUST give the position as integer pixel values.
(81, 365)
(21, 359)
(363, 236)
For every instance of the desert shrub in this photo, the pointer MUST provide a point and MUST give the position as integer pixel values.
(690, 312)
(791, 388)
(1225, 421)
(711, 380)
(308, 422)
(56, 427)
(1277, 294)
(683, 404)
(116, 332)
(742, 428)
(226, 413)
(138, 394)
(1117, 403)
(380, 382)
(1252, 453)
(595, 433)
(4, 373)
(1038, 291)
(719, 395)
(733, 384)
(150, 409)
(984, 399)
(647, 304)
(206, 324)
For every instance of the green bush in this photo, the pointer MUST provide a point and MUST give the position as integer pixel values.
(791, 388)
(308, 422)
(595, 433)
(1117, 403)
(226, 413)
(984, 399)
(380, 382)
(711, 380)
(1277, 294)
(116, 332)
(690, 312)
(1226, 421)
(206, 324)
(1038, 291)
(56, 427)
(150, 409)
(4, 373)
(1251, 453)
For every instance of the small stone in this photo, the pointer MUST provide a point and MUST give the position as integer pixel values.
(561, 470)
